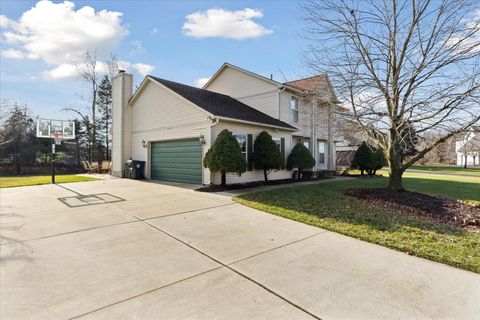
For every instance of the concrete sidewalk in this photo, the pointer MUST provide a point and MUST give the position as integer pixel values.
(167, 252)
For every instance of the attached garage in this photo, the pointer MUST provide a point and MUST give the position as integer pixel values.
(176, 161)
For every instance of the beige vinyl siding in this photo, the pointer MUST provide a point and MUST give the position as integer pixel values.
(321, 126)
(255, 92)
(254, 175)
(160, 115)
(304, 113)
(266, 103)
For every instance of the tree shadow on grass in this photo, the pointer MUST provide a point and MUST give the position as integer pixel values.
(457, 190)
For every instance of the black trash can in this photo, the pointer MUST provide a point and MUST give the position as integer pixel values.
(138, 168)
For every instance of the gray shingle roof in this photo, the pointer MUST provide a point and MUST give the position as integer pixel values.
(221, 105)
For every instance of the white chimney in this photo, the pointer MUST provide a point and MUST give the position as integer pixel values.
(122, 89)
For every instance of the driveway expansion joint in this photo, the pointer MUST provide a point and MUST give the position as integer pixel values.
(240, 273)
(227, 266)
(146, 292)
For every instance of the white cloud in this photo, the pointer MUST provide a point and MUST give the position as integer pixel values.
(13, 54)
(63, 71)
(201, 82)
(154, 30)
(60, 35)
(57, 34)
(224, 23)
(4, 21)
(138, 48)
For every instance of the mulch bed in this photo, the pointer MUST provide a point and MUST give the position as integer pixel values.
(421, 205)
(236, 186)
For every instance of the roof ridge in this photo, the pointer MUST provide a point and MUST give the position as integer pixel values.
(187, 85)
(318, 75)
(248, 71)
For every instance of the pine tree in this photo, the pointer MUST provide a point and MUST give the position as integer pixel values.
(225, 156)
(104, 102)
(17, 138)
(379, 161)
(267, 155)
(363, 158)
(300, 158)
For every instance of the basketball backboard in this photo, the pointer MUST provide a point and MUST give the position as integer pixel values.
(57, 129)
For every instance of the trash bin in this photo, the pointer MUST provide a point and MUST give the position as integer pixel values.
(138, 167)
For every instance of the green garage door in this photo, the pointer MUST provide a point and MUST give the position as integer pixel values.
(177, 161)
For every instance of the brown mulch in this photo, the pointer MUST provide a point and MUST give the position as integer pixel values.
(421, 205)
(253, 184)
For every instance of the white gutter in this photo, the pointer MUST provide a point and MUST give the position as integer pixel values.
(214, 120)
(255, 123)
(257, 94)
(279, 96)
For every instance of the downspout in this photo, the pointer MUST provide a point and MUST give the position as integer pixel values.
(313, 140)
(279, 102)
(214, 121)
(330, 165)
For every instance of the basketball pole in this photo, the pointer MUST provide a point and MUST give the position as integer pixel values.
(53, 161)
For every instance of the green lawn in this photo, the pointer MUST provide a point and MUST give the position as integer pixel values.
(448, 169)
(7, 182)
(323, 205)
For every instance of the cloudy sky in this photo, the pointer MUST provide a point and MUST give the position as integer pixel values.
(185, 41)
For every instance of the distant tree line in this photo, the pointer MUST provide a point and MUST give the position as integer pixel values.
(22, 152)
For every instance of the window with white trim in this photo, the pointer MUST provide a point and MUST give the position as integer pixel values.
(294, 109)
(277, 141)
(242, 141)
(321, 152)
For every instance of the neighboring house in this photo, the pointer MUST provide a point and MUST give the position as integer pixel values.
(468, 147)
(171, 125)
(307, 104)
(346, 149)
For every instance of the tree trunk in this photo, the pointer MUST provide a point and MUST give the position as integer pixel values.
(106, 140)
(465, 162)
(265, 175)
(395, 162)
(224, 178)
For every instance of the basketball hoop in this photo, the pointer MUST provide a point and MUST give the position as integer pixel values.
(57, 130)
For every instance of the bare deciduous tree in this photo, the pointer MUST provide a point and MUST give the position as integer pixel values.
(93, 72)
(399, 63)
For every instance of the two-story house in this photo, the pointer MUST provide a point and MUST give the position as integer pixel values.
(307, 104)
(171, 125)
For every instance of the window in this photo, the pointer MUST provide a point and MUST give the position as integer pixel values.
(294, 109)
(307, 144)
(242, 141)
(277, 141)
(321, 152)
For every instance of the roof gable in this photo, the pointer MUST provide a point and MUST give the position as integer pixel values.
(252, 74)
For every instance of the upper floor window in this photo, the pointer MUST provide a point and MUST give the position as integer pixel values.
(321, 152)
(294, 109)
(242, 141)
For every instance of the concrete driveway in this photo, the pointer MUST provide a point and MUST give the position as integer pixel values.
(123, 249)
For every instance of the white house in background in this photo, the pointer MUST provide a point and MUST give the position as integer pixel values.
(171, 125)
(468, 147)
